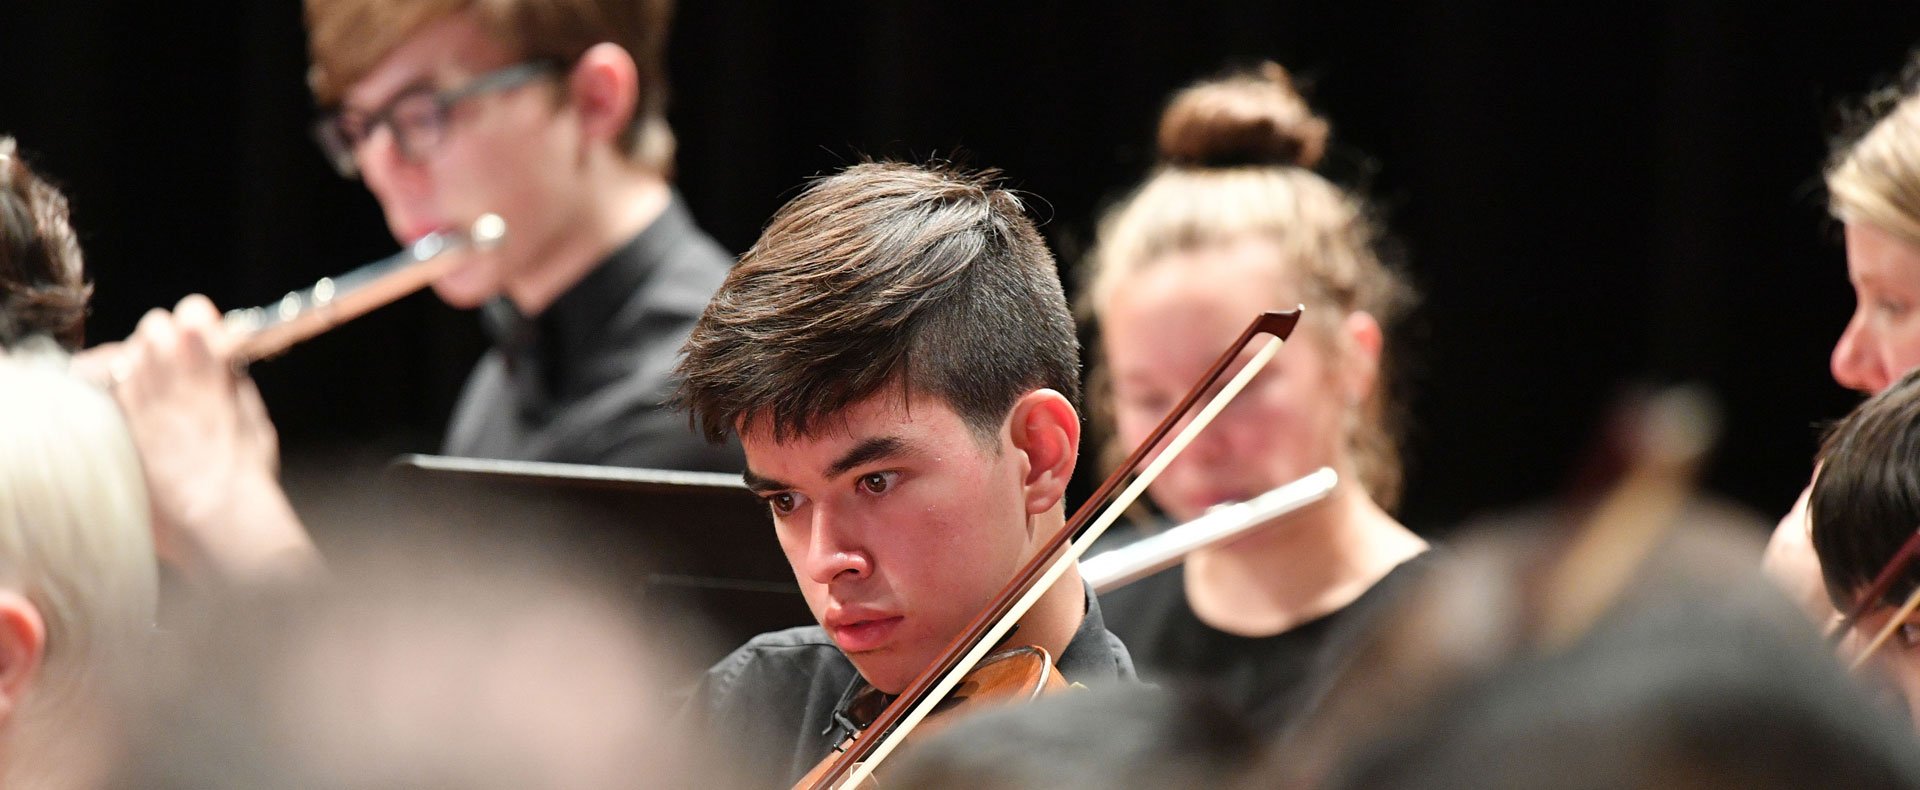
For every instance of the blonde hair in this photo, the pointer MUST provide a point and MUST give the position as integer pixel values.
(1876, 178)
(1235, 158)
(75, 534)
(348, 38)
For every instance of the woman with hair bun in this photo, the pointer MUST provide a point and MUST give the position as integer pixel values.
(1232, 222)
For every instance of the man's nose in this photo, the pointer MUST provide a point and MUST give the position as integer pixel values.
(835, 551)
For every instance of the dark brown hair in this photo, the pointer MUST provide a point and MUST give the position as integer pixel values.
(928, 278)
(1866, 496)
(42, 286)
(348, 38)
(1248, 118)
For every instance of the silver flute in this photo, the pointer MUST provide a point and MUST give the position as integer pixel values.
(300, 315)
(1163, 550)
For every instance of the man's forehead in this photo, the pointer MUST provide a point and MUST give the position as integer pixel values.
(888, 412)
(439, 54)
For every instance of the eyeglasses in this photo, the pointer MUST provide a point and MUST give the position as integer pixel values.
(416, 117)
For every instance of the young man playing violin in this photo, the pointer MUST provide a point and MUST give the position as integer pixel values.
(899, 363)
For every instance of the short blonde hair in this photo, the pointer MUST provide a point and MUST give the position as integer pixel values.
(1875, 179)
(1235, 158)
(348, 38)
(75, 535)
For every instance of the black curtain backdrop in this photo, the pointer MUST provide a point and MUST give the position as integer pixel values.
(1587, 196)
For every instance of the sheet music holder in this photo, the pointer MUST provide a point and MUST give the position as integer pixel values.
(694, 543)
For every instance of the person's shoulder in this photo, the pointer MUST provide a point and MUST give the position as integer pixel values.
(694, 257)
(800, 649)
(1147, 609)
(1407, 572)
(775, 675)
(801, 637)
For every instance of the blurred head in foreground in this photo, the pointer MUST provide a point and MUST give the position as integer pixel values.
(77, 572)
(1693, 672)
(426, 663)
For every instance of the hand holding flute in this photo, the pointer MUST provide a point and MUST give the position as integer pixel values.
(210, 453)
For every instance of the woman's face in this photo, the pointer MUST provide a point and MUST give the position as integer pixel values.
(1882, 340)
(1163, 327)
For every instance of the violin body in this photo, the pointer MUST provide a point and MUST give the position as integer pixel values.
(1017, 675)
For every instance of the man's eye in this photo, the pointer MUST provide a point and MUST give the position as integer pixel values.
(415, 113)
(782, 502)
(876, 482)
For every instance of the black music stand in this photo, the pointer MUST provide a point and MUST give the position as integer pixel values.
(697, 546)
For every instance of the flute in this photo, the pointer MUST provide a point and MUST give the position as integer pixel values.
(270, 329)
(1158, 552)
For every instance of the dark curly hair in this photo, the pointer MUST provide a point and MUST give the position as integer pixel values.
(43, 290)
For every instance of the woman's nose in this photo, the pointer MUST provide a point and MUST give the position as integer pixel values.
(1855, 364)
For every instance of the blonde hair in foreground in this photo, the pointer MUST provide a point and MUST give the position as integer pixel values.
(75, 535)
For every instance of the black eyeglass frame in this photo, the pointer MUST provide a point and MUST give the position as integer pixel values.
(338, 144)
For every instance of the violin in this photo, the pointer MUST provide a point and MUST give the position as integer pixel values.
(973, 668)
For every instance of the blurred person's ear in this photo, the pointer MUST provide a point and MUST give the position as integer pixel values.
(605, 89)
(23, 641)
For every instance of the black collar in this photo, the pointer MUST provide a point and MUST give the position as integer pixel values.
(549, 356)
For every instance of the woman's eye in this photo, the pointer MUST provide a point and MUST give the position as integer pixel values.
(1910, 635)
(876, 482)
(1892, 307)
(1152, 406)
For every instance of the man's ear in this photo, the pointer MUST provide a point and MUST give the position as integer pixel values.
(605, 89)
(1046, 428)
(1363, 341)
(23, 644)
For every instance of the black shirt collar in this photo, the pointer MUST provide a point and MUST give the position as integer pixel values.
(549, 353)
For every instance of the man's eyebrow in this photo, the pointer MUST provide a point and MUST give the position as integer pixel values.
(761, 485)
(420, 83)
(867, 451)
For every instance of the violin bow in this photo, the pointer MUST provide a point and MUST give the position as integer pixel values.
(973, 643)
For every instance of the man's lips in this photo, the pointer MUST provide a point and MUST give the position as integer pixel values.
(414, 231)
(862, 633)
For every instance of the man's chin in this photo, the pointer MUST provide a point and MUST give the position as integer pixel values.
(882, 674)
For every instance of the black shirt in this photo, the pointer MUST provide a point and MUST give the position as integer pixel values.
(586, 381)
(774, 699)
(1270, 679)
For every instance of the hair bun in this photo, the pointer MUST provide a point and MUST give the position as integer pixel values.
(1251, 118)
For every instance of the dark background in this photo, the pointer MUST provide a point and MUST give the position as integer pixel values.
(1587, 197)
